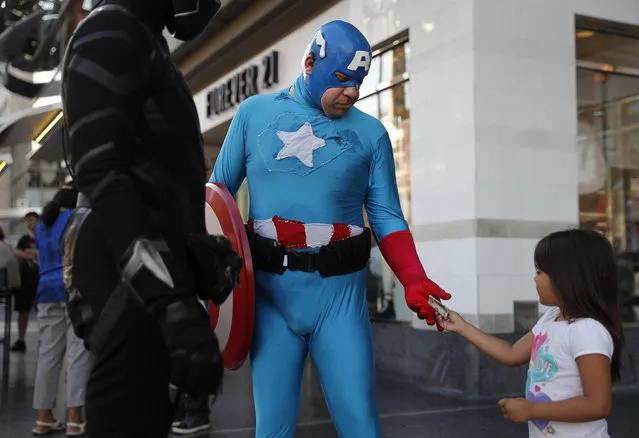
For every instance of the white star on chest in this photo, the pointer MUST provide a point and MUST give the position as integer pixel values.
(300, 144)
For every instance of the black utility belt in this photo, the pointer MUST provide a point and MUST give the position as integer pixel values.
(338, 258)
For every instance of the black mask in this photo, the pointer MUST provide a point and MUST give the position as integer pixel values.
(185, 19)
(190, 17)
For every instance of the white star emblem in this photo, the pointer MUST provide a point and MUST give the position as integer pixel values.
(300, 144)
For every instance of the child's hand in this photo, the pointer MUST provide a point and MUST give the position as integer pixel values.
(455, 323)
(518, 410)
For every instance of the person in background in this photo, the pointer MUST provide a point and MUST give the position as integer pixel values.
(9, 262)
(28, 258)
(56, 334)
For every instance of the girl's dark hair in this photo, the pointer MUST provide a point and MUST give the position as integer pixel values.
(581, 265)
(66, 197)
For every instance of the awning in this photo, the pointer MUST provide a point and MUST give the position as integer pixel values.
(28, 125)
(51, 145)
(23, 125)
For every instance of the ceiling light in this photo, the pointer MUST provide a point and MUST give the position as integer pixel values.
(428, 27)
(585, 33)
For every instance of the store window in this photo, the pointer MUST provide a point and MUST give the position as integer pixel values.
(385, 95)
(608, 147)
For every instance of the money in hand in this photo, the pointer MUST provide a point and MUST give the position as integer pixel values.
(438, 306)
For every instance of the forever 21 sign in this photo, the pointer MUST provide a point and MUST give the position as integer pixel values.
(243, 84)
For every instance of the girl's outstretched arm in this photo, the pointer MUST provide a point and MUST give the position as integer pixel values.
(502, 351)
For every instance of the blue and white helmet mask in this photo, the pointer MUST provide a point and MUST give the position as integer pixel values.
(338, 46)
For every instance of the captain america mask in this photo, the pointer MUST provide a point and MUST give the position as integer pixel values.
(340, 58)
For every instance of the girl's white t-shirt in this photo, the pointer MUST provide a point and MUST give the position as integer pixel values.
(553, 374)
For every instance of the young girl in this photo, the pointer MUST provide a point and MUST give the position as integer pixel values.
(573, 350)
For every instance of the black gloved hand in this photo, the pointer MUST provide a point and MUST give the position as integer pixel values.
(158, 284)
(198, 366)
(217, 266)
(153, 273)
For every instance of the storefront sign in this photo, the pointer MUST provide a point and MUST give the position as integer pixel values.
(247, 82)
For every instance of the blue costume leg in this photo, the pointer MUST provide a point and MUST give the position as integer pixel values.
(277, 362)
(342, 350)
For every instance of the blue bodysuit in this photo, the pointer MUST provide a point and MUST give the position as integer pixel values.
(303, 166)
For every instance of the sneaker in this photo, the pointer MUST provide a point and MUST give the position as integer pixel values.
(19, 346)
(190, 425)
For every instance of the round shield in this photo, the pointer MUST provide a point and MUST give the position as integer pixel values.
(233, 321)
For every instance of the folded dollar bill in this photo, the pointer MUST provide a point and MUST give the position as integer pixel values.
(438, 306)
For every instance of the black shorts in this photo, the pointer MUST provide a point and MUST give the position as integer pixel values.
(23, 299)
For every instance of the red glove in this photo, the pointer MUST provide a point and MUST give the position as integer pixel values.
(399, 250)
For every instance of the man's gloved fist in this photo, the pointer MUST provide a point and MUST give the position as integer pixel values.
(417, 294)
(217, 266)
(198, 366)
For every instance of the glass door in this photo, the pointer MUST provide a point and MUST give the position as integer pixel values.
(608, 150)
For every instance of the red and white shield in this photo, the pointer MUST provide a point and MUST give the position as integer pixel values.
(233, 321)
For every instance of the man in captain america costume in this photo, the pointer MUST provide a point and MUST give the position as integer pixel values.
(312, 161)
(137, 255)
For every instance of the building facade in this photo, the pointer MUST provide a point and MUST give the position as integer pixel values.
(509, 120)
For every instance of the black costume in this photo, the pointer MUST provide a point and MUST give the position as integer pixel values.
(137, 255)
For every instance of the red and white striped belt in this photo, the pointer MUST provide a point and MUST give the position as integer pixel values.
(296, 234)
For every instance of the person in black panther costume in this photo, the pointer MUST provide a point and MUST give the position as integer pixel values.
(136, 252)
